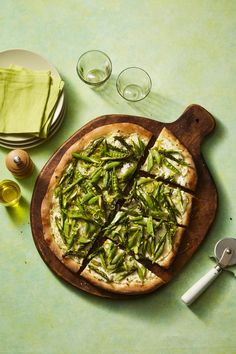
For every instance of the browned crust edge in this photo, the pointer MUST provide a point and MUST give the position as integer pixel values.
(147, 287)
(106, 130)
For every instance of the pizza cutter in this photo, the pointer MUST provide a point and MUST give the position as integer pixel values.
(225, 253)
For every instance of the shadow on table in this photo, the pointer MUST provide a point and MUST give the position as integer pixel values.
(207, 303)
(154, 105)
(148, 307)
(164, 304)
(224, 212)
(20, 212)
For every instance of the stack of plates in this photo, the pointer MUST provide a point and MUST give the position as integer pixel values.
(33, 61)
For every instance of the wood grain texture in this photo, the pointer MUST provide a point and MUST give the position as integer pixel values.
(190, 128)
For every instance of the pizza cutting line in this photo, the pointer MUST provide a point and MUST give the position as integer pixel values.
(163, 252)
(159, 270)
(100, 238)
(167, 182)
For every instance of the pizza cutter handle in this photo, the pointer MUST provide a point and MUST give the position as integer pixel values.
(200, 286)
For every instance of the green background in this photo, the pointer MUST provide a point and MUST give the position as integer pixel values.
(188, 48)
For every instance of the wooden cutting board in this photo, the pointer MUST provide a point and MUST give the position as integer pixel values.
(190, 128)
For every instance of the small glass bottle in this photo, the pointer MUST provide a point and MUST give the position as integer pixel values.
(10, 193)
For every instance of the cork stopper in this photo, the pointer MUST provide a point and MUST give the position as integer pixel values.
(19, 163)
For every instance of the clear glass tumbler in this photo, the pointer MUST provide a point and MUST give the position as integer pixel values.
(133, 84)
(94, 67)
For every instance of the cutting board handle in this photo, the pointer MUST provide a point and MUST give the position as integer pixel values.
(196, 122)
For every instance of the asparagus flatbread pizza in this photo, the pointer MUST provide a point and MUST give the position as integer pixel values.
(85, 187)
(116, 184)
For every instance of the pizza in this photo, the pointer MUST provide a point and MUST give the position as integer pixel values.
(118, 201)
(112, 269)
(170, 160)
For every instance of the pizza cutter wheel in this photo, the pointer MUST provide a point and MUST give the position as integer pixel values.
(225, 253)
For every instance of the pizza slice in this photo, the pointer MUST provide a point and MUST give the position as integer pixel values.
(85, 187)
(114, 270)
(149, 197)
(170, 160)
(108, 158)
(146, 237)
(71, 223)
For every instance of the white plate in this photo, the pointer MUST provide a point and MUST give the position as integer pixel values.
(33, 61)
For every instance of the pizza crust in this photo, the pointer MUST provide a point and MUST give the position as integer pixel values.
(106, 130)
(136, 288)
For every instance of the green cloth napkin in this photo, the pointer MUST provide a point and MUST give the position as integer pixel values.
(55, 90)
(28, 100)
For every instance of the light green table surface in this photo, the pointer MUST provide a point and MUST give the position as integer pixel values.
(188, 48)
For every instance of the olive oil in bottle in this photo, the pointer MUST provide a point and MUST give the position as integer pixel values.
(10, 193)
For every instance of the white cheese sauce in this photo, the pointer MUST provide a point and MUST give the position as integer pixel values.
(164, 171)
(129, 280)
(55, 212)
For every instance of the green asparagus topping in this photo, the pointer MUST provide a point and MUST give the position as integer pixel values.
(115, 185)
(171, 167)
(83, 240)
(112, 165)
(89, 189)
(157, 157)
(93, 146)
(96, 175)
(123, 142)
(150, 162)
(99, 271)
(68, 174)
(159, 250)
(124, 275)
(150, 227)
(141, 272)
(84, 158)
(170, 155)
(115, 155)
(113, 264)
(93, 200)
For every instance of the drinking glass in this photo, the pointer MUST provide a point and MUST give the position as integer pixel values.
(133, 84)
(94, 67)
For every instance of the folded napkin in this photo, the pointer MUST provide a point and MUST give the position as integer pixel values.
(28, 100)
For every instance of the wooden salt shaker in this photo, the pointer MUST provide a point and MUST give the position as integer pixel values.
(19, 163)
